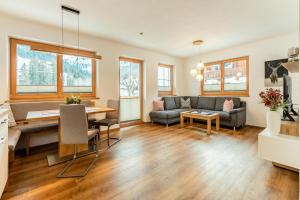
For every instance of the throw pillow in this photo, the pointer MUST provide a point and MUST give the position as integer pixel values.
(228, 105)
(11, 118)
(185, 103)
(158, 105)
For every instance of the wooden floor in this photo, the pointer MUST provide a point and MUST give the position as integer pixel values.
(155, 162)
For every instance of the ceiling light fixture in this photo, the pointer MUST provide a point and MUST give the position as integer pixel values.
(196, 72)
(61, 50)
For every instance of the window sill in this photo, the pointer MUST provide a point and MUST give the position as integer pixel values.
(47, 99)
(163, 94)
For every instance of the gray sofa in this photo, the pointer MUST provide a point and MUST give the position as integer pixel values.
(234, 119)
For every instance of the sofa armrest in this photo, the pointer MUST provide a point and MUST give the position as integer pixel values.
(237, 110)
(243, 104)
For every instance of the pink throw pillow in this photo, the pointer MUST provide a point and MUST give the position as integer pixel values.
(228, 105)
(158, 105)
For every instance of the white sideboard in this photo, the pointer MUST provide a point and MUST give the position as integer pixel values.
(3, 149)
(280, 149)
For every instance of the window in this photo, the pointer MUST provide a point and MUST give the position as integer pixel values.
(77, 74)
(165, 80)
(226, 77)
(212, 77)
(41, 71)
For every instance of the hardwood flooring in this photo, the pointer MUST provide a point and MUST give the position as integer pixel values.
(155, 162)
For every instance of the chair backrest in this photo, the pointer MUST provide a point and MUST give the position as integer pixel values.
(73, 124)
(115, 104)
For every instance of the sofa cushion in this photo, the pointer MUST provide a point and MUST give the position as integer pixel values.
(169, 103)
(207, 103)
(220, 101)
(194, 102)
(223, 115)
(167, 114)
(13, 137)
(33, 127)
(177, 101)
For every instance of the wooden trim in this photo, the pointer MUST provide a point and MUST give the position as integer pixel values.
(285, 167)
(133, 60)
(130, 97)
(48, 99)
(58, 49)
(171, 92)
(49, 48)
(223, 92)
(141, 63)
(131, 123)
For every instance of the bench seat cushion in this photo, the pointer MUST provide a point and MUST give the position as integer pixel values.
(33, 127)
(13, 137)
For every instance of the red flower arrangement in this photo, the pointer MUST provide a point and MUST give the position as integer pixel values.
(272, 99)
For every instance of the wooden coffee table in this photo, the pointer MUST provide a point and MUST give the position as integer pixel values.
(207, 117)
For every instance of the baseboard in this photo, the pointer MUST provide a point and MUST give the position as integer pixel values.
(248, 125)
(285, 167)
(133, 123)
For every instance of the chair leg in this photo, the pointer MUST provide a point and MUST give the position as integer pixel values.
(69, 164)
(111, 138)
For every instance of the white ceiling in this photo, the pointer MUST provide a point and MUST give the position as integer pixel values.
(170, 26)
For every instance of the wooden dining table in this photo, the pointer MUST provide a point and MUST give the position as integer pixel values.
(65, 151)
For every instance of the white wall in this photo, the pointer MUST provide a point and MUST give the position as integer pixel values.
(107, 75)
(258, 52)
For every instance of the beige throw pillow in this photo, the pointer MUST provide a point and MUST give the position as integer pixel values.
(158, 105)
(228, 105)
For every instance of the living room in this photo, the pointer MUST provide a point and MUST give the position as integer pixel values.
(173, 100)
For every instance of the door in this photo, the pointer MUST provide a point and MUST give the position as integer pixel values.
(131, 89)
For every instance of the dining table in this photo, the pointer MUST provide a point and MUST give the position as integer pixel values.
(65, 151)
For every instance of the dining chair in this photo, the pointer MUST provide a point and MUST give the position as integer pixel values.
(111, 118)
(74, 130)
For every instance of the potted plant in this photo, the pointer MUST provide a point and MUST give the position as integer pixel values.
(73, 100)
(273, 99)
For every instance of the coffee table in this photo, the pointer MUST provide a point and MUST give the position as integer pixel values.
(207, 117)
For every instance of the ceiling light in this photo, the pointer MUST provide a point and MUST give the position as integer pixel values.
(197, 71)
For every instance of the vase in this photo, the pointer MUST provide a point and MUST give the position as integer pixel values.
(273, 121)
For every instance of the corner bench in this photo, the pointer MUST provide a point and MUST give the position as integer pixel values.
(24, 130)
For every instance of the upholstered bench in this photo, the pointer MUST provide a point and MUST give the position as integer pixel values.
(44, 132)
(14, 134)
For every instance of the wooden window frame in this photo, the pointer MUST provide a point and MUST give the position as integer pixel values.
(51, 49)
(141, 63)
(222, 92)
(171, 92)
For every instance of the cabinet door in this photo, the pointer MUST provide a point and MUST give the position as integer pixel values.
(3, 163)
(3, 126)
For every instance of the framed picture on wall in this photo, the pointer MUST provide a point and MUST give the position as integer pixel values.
(274, 72)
